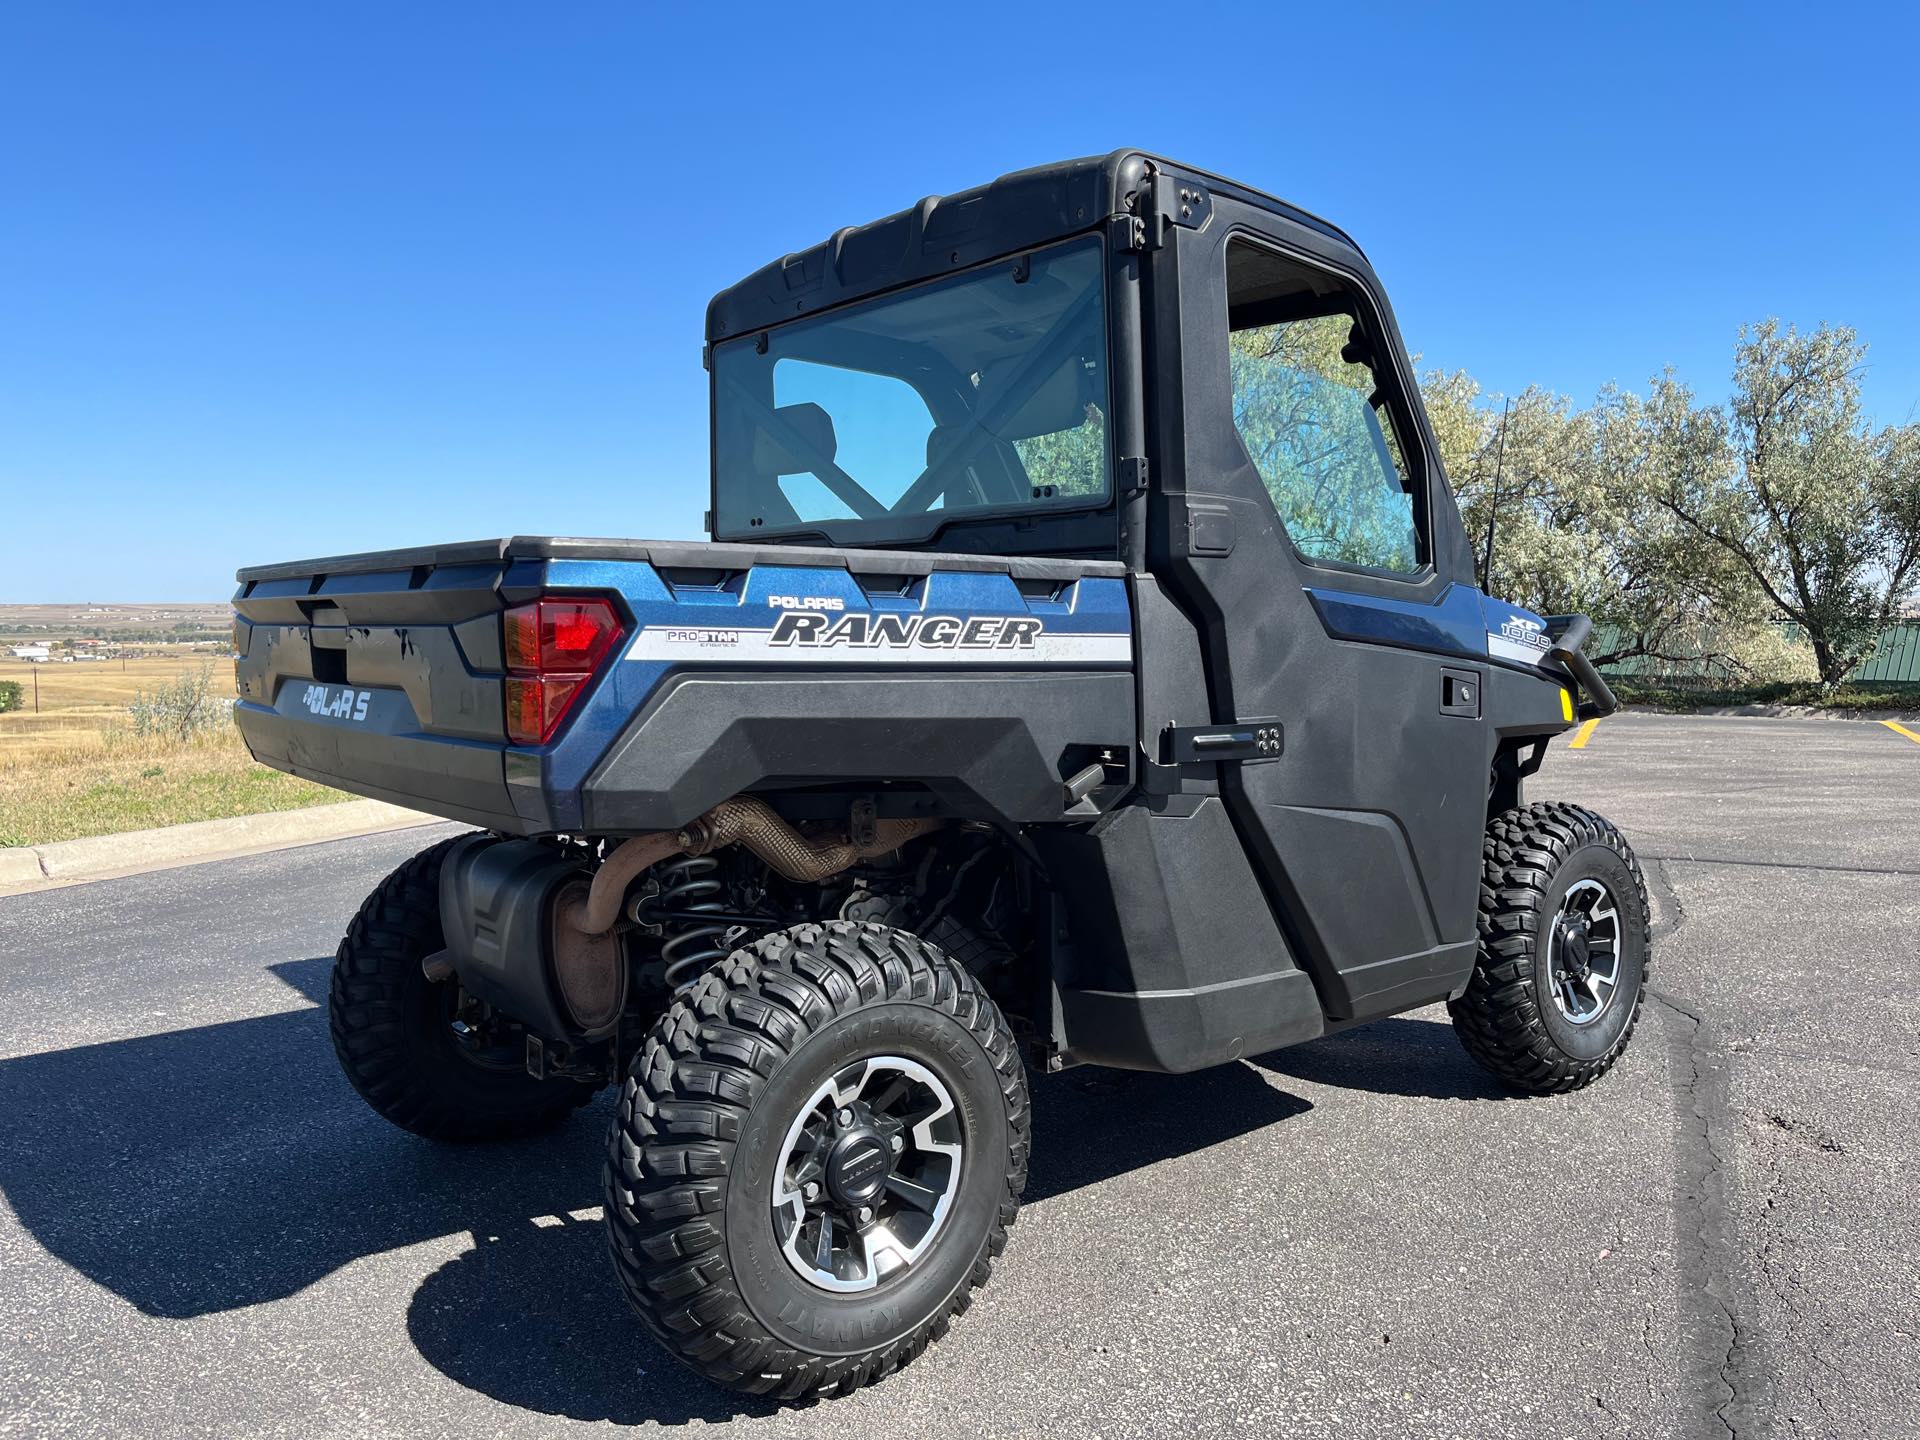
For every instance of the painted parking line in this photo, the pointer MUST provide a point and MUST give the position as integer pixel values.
(1899, 729)
(1583, 734)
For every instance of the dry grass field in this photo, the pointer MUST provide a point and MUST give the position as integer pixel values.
(76, 768)
(82, 703)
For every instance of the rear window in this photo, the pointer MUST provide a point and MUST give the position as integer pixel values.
(981, 394)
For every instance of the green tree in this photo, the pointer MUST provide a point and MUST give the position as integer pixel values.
(9, 695)
(1813, 506)
(1570, 492)
(1328, 456)
(1072, 462)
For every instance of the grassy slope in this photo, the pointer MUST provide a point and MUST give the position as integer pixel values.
(135, 785)
(76, 769)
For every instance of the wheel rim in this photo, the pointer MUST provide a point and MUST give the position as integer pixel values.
(867, 1174)
(1585, 952)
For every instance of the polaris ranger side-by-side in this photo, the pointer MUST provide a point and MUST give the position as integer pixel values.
(1087, 666)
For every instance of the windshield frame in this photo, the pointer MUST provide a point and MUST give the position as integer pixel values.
(918, 528)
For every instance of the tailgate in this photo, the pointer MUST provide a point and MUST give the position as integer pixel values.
(383, 681)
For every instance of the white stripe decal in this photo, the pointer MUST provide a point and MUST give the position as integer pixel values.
(1501, 648)
(715, 644)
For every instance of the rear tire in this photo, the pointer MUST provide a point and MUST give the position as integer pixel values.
(804, 1059)
(1555, 991)
(393, 1033)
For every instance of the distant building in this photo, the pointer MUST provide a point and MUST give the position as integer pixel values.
(38, 654)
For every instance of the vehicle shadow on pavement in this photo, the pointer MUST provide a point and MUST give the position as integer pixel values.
(1419, 1059)
(1091, 1125)
(207, 1169)
(532, 1317)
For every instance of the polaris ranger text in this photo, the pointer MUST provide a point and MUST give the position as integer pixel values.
(1087, 667)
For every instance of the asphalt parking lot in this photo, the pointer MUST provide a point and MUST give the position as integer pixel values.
(202, 1230)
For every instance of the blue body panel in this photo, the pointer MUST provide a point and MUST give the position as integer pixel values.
(1461, 621)
(1084, 624)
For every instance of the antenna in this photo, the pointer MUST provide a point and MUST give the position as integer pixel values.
(1493, 500)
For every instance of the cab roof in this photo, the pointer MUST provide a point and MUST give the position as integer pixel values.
(943, 234)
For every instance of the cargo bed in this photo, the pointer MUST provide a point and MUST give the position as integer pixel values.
(384, 674)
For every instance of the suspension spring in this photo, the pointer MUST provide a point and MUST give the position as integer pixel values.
(691, 882)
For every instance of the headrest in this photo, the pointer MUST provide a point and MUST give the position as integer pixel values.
(940, 441)
(810, 425)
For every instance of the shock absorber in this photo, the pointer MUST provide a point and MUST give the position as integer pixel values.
(690, 883)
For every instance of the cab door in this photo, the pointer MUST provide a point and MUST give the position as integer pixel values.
(1300, 517)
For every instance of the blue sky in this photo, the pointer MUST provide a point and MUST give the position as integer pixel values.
(290, 279)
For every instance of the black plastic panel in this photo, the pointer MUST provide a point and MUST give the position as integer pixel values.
(1176, 962)
(388, 759)
(474, 561)
(996, 745)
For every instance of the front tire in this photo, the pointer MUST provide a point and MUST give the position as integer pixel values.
(1565, 949)
(398, 1036)
(816, 1158)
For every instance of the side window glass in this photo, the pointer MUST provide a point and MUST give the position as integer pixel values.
(1311, 409)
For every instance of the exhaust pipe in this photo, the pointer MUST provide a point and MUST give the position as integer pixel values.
(755, 824)
(746, 821)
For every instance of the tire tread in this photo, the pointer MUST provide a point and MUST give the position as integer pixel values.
(396, 927)
(1498, 1017)
(686, 1098)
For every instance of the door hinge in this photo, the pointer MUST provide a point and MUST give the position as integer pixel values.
(1133, 476)
(1170, 201)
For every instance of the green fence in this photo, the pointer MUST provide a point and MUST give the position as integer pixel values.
(1894, 660)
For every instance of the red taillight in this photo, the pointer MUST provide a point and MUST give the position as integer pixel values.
(553, 646)
(552, 634)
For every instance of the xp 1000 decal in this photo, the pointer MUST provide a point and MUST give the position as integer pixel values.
(1520, 638)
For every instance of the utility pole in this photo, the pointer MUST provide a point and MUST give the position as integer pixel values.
(36, 689)
(1493, 500)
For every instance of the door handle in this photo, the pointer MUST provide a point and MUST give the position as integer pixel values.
(1460, 693)
(1249, 740)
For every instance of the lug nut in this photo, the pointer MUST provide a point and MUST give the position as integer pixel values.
(811, 1192)
(898, 1144)
(845, 1117)
(866, 1214)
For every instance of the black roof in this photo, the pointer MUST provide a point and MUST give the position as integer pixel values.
(946, 233)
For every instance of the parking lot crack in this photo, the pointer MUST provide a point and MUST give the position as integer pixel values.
(1727, 1378)
(1777, 864)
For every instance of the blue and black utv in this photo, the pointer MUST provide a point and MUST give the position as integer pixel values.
(1086, 667)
